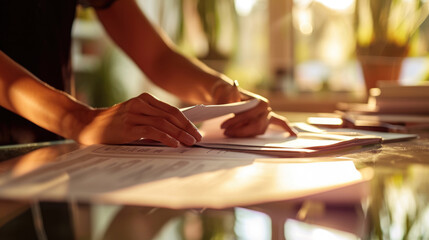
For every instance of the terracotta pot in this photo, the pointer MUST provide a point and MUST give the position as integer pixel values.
(377, 69)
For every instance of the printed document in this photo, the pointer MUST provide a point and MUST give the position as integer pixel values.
(185, 178)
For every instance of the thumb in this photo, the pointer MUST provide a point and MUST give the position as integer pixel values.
(227, 93)
(283, 123)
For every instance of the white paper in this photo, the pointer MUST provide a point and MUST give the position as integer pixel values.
(201, 113)
(183, 178)
(386, 136)
(277, 142)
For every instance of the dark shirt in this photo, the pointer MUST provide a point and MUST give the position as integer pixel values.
(37, 35)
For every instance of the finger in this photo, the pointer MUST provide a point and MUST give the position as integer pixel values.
(175, 116)
(246, 95)
(261, 110)
(165, 126)
(283, 123)
(253, 128)
(154, 107)
(149, 132)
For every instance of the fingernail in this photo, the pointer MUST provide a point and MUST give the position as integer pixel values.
(176, 144)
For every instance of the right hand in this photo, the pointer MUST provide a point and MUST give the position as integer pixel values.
(140, 117)
(252, 122)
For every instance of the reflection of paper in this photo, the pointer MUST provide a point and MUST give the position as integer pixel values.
(181, 178)
(201, 113)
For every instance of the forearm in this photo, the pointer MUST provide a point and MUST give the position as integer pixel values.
(190, 79)
(24, 94)
(156, 56)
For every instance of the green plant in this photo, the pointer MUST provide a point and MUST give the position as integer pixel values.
(214, 15)
(385, 27)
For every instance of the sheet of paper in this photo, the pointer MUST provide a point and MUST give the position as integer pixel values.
(276, 142)
(386, 136)
(201, 113)
(274, 139)
(178, 178)
(391, 118)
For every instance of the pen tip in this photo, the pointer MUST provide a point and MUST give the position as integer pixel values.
(235, 83)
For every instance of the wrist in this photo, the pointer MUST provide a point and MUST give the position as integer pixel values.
(218, 89)
(77, 120)
(226, 91)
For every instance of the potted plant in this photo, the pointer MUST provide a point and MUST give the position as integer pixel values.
(384, 30)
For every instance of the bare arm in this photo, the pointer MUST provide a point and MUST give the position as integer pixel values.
(187, 78)
(24, 94)
(140, 117)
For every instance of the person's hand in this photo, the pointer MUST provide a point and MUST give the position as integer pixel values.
(140, 117)
(252, 122)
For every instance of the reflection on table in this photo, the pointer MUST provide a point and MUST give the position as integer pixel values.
(396, 208)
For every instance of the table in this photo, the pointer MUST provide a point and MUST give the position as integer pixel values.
(397, 207)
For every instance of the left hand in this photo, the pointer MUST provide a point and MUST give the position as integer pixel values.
(252, 122)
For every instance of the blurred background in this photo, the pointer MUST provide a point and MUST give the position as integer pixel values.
(304, 55)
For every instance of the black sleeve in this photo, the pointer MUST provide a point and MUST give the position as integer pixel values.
(97, 4)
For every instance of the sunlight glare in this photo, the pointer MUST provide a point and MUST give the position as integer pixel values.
(295, 230)
(244, 7)
(337, 5)
(305, 21)
(251, 224)
(333, 121)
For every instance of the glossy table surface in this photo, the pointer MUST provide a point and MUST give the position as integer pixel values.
(396, 208)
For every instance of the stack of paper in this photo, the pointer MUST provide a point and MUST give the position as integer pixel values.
(391, 108)
(400, 99)
(273, 142)
(276, 142)
(386, 137)
(393, 100)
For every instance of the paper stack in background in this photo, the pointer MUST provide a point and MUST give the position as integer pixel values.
(400, 99)
(394, 108)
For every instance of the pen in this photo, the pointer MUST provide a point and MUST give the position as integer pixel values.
(236, 94)
(235, 83)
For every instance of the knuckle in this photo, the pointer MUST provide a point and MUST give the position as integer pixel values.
(180, 134)
(146, 130)
(170, 118)
(129, 105)
(133, 104)
(164, 137)
(161, 122)
(127, 119)
(174, 112)
(189, 127)
(144, 95)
